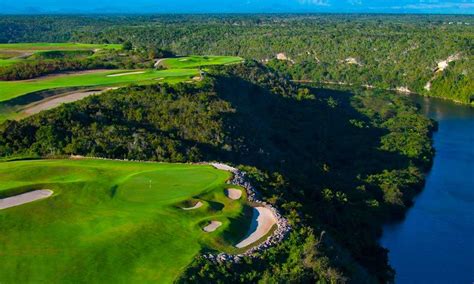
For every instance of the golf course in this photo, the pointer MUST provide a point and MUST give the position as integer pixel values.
(13, 89)
(11, 53)
(19, 97)
(113, 221)
(198, 61)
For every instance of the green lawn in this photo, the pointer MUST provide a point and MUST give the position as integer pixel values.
(110, 221)
(8, 61)
(13, 89)
(199, 61)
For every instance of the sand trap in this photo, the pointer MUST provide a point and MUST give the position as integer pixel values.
(55, 102)
(125, 74)
(223, 167)
(233, 193)
(262, 222)
(212, 226)
(24, 198)
(198, 205)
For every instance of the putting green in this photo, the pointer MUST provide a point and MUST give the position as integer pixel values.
(13, 89)
(199, 61)
(110, 221)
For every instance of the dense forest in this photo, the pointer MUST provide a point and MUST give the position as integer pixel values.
(383, 52)
(338, 164)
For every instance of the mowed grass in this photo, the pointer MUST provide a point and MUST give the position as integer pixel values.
(199, 61)
(8, 61)
(13, 89)
(110, 221)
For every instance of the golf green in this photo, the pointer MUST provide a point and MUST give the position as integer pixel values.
(112, 221)
(199, 61)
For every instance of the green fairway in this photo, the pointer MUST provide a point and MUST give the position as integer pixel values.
(111, 221)
(8, 61)
(199, 61)
(13, 89)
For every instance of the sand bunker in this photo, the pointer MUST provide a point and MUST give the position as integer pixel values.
(24, 198)
(262, 222)
(212, 226)
(223, 167)
(233, 193)
(198, 205)
(125, 74)
(55, 102)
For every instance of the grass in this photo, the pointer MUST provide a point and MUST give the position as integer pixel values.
(13, 89)
(199, 61)
(9, 61)
(110, 221)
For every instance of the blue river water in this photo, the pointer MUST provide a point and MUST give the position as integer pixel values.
(435, 242)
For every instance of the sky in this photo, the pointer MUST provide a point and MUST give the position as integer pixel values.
(236, 6)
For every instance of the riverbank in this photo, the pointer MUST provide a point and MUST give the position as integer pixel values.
(440, 224)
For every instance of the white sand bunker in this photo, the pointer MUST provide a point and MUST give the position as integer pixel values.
(233, 193)
(212, 226)
(263, 220)
(125, 74)
(223, 167)
(198, 205)
(24, 198)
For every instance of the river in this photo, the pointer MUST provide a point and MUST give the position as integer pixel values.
(435, 242)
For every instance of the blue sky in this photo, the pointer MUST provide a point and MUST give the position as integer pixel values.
(237, 6)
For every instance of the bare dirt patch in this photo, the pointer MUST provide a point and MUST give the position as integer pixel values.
(233, 193)
(212, 226)
(24, 198)
(263, 220)
(58, 100)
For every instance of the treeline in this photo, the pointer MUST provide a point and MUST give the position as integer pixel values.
(32, 69)
(339, 165)
(385, 52)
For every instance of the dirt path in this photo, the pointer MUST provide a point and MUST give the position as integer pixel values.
(24, 198)
(262, 222)
(58, 100)
(159, 61)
